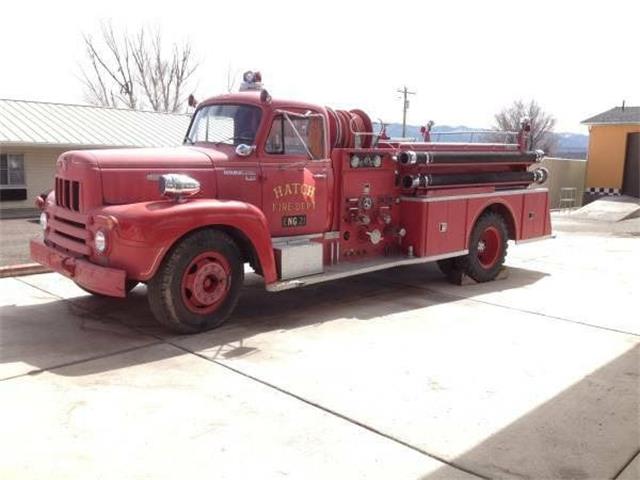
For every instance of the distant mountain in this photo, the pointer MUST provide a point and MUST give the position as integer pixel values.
(568, 145)
(571, 145)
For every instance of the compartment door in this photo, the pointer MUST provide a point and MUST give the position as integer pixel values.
(446, 222)
(534, 215)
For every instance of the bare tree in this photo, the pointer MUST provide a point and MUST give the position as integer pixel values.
(542, 123)
(135, 71)
(109, 81)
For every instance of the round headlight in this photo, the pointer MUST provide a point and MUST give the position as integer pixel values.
(44, 221)
(100, 241)
(377, 161)
(355, 161)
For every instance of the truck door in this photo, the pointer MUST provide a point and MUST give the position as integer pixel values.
(297, 179)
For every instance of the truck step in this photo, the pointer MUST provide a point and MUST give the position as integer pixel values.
(348, 269)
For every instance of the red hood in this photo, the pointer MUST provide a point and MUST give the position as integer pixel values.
(152, 158)
(119, 176)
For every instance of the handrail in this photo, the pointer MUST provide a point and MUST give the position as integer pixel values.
(466, 132)
(471, 133)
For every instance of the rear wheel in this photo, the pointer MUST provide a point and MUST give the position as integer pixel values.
(198, 284)
(487, 248)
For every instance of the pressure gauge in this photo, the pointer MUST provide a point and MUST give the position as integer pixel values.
(377, 161)
(366, 203)
(355, 161)
(375, 236)
(367, 161)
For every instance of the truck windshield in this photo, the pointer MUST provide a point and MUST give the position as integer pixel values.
(229, 124)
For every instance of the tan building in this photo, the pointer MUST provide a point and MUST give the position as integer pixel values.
(613, 158)
(34, 134)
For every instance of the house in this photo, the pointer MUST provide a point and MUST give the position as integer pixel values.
(613, 157)
(34, 134)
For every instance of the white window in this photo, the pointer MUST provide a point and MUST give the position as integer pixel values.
(12, 171)
(229, 124)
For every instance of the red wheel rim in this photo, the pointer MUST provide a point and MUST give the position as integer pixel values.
(206, 282)
(488, 247)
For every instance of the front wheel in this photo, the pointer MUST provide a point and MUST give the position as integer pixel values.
(487, 248)
(198, 284)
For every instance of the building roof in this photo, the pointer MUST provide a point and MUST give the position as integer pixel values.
(42, 123)
(617, 115)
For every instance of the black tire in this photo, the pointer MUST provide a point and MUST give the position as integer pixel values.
(481, 266)
(128, 286)
(447, 266)
(175, 305)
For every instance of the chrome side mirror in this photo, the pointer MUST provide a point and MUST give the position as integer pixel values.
(244, 150)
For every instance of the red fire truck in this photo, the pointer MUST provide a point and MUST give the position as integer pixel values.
(300, 192)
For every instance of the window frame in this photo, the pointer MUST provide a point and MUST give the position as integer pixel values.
(279, 114)
(187, 140)
(276, 117)
(9, 185)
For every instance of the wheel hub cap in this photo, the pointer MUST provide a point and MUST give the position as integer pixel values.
(206, 282)
(488, 247)
(209, 284)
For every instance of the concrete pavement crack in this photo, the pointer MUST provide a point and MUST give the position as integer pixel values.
(161, 340)
(334, 413)
(507, 307)
(77, 362)
(87, 359)
(622, 469)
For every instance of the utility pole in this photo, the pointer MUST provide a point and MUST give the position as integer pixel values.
(405, 107)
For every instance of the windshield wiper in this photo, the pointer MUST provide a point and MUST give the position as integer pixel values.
(224, 140)
(231, 138)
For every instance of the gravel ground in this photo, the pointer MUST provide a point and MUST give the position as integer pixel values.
(14, 240)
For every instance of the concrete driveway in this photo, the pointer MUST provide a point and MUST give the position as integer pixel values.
(392, 375)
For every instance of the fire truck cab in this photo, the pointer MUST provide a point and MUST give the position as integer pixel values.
(302, 193)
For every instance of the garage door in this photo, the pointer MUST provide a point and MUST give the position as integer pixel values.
(631, 179)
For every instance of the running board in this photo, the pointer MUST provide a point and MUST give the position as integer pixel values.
(348, 269)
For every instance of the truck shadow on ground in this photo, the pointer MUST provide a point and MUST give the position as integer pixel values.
(47, 336)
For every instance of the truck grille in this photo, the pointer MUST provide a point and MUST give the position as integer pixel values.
(67, 226)
(68, 234)
(68, 194)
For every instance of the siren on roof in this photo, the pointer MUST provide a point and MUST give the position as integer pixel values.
(251, 81)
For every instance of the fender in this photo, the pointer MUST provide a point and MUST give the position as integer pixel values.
(149, 229)
(507, 204)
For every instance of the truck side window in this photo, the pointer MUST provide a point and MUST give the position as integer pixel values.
(275, 142)
(283, 140)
